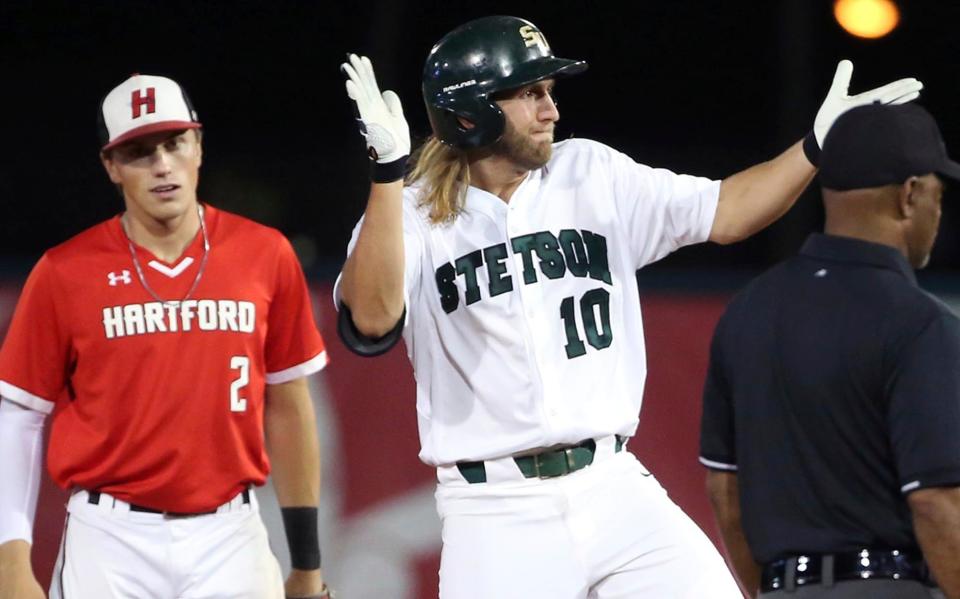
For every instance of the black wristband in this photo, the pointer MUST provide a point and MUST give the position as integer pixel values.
(388, 172)
(300, 524)
(811, 148)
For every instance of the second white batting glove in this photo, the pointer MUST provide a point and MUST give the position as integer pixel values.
(380, 118)
(837, 102)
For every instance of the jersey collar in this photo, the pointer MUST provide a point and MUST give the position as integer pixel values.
(848, 249)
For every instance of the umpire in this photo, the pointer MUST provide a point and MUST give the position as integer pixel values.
(831, 416)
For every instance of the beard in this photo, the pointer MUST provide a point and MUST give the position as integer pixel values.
(522, 150)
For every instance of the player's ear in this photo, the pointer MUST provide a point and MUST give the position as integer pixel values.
(106, 159)
(199, 135)
(465, 123)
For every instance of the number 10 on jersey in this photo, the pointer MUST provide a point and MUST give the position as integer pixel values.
(594, 309)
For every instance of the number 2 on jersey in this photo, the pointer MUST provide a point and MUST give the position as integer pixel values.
(594, 303)
(241, 363)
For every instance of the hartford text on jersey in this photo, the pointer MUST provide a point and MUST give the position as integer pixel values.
(170, 317)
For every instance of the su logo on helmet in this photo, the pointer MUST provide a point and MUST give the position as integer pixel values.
(533, 37)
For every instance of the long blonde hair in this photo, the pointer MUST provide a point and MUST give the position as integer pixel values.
(444, 173)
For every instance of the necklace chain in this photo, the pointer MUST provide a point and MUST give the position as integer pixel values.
(200, 269)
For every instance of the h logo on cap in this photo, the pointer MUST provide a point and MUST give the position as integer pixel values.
(138, 100)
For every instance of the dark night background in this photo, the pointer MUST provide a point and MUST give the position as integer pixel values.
(701, 87)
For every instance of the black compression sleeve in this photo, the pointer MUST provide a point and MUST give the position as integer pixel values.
(362, 345)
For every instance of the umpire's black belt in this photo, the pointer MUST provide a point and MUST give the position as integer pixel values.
(94, 498)
(546, 464)
(865, 564)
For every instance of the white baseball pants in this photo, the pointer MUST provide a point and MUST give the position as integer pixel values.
(110, 552)
(608, 531)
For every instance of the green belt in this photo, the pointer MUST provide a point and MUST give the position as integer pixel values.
(548, 464)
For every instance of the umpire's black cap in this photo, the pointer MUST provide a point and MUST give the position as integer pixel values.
(881, 144)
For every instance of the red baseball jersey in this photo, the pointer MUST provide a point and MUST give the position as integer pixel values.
(160, 403)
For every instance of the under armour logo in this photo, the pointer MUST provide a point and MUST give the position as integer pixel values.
(138, 100)
(115, 279)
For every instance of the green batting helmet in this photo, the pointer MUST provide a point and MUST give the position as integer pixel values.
(477, 59)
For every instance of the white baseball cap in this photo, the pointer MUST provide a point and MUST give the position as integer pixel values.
(141, 105)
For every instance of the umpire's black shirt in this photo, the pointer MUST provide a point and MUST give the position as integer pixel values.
(833, 391)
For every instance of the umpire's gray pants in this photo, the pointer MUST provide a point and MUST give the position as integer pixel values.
(860, 589)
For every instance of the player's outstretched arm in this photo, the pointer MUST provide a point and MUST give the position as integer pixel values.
(722, 488)
(372, 280)
(752, 199)
(291, 438)
(936, 520)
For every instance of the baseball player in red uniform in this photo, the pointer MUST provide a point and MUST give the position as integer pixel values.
(508, 264)
(171, 344)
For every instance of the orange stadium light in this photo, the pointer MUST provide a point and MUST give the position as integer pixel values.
(867, 18)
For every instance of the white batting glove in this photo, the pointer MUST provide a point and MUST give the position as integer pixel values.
(837, 101)
(379, 116)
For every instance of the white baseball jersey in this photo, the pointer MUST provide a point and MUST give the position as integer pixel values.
(523, 318)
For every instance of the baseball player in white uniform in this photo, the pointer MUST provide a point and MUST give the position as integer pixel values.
(507, 263)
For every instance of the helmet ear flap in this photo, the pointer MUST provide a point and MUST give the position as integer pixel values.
(487, 119)
(490, 125)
